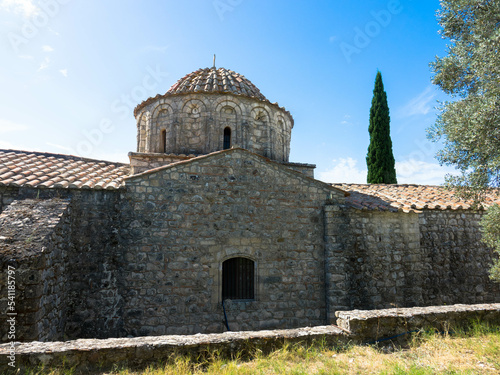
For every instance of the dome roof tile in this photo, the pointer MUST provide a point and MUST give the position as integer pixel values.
(211, 81)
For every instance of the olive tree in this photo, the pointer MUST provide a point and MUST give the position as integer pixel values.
(469, 124)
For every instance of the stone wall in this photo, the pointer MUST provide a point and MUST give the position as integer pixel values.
(307, 169)
(94, 356)
(195, 123)
(391, 326)
(68, 261)
(140, 162)
(33, 241)
(373, 259)
(185, 220)
(147, 259)
(379, 259)
(394, 325)
(7, 196)
(456, 262)
(95, 262)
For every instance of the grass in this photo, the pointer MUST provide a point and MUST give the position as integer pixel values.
(474, 352)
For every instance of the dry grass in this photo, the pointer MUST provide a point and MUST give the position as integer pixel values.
(476, 352)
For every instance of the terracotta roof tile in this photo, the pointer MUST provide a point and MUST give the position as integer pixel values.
(44, 170)
(407, 197)
(211, 81)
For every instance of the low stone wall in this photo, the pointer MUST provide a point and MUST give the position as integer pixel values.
(358, 326)
(393, 324)
(88, 355)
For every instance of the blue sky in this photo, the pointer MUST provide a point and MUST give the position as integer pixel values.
(72, 72)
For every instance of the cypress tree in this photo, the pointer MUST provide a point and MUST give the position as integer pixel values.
(380, 160)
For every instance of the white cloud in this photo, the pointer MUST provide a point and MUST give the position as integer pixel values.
(7, 126)
(44, 64)
(27, 8)
(411, 171)
(422, 104)
(26, 57)
(422, 173)
(345, 120)
(64, 72)
(333, 38)
(47, 48)
(345, 170)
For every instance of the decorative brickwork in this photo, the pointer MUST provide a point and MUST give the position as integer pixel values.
(192, 119)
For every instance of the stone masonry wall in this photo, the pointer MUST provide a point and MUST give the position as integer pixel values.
(95, 266)
(373, 259)
(456, 262)
(7, 196)
(379, 259)
(185, 220)
(195, 123)
(389, 326)
(33, 241)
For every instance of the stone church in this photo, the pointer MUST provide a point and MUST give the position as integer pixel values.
(211, 227)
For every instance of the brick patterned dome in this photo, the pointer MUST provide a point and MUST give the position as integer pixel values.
(211, 80)
(210, 110)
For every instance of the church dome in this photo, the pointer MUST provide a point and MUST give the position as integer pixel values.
(210, 110)
(212, 80)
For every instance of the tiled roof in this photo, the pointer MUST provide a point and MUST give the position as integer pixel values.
(211, 81)
(44, 170)
(216, 81)
(407, 197)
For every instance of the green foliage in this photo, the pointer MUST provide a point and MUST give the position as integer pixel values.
(491, 236)
(380, 160)
(469, 125)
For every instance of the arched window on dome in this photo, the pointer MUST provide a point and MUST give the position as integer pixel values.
(238, 275)
(163, 141)
(227, 138)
